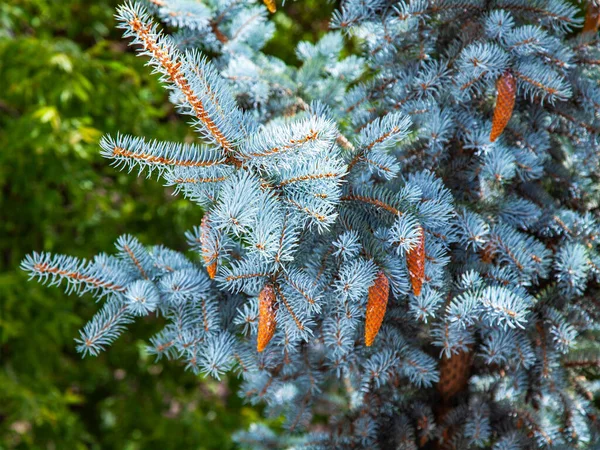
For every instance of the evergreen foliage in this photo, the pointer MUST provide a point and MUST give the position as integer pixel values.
(378, 169)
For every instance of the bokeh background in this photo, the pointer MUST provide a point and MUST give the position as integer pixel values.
(66, 78)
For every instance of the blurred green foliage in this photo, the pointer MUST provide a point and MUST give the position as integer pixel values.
(66, 78)
(299, 20)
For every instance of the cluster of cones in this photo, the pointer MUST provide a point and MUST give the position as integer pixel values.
(376, 304)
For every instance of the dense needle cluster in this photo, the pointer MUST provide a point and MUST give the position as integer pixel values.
(399, 247)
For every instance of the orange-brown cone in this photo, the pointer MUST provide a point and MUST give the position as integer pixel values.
(454, 374)
(415, 261)
(210, 261)
(271, 6)
(267, 309)
(506, 88)
(376, 306)
(592, 19)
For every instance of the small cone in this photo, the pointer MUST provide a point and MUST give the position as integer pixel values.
(592, 19)
(506, 88)
(267, 309)
(454, 374)
(376, 306)
(210, 261)
(415, 261)
(271, 6)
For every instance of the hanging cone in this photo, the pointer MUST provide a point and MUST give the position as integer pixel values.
(415, 261)
(454, 374)
(267, 309)
(592, 19)
(506, 88)
(271, 6)
(210, 260)
(376, 306)
(454, 378)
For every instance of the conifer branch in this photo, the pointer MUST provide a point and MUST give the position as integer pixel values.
(485, 271)
(170, 62)
(371, 201)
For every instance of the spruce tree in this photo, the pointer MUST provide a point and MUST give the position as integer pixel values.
(399, 246)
